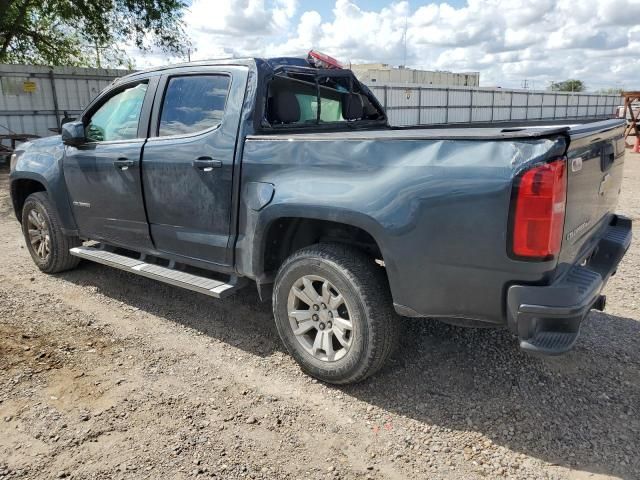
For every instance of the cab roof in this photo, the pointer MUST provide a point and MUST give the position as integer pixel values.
(269, 63)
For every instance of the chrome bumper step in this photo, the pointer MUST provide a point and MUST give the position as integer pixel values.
(208, 286)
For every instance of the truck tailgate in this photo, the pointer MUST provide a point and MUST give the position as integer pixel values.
(595, 164)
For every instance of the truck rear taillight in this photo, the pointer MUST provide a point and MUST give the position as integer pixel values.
(538, 217)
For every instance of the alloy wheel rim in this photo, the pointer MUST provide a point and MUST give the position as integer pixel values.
(320, 318)
(39, 235)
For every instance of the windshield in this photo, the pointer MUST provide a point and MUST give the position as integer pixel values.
(307, 99)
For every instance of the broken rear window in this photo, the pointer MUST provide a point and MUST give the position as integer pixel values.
(306, 99)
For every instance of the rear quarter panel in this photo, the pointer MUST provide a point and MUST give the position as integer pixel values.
(438, 210)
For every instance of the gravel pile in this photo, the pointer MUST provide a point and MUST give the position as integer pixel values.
(108, 375)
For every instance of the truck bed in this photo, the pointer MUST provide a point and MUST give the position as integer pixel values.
(433, 192)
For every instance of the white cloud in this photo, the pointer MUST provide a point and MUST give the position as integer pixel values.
(507, 41)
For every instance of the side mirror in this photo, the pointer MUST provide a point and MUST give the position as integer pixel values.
(73, 134)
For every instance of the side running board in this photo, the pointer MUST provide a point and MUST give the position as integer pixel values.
(208, 286)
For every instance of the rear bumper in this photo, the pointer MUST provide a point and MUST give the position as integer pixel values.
(547, 319)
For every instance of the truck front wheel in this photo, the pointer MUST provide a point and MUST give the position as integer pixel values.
(48, 246)
(334, 313)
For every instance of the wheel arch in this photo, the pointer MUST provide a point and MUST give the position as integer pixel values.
(24, 183)
(282, 231)
(21, 188)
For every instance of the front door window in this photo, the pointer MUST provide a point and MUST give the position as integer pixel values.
(118, 117)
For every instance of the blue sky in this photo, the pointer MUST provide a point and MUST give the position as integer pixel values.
(324, 7)
(507, 41)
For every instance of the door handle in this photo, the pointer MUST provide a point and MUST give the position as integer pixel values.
(206, 164)
(123, 163)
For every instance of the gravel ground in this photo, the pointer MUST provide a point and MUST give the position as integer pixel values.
(108, 375)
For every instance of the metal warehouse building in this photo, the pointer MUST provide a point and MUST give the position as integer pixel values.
(382, 73)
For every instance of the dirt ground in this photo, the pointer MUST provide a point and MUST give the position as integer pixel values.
(107, 375)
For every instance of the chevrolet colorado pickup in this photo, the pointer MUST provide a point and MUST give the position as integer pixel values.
(213, 174)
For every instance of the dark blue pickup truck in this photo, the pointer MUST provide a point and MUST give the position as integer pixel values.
(209, 175)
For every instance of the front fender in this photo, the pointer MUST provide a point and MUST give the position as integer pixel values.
(41, 161)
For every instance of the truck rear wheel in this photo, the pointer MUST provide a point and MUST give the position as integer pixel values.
(333, 311)
(48, 246)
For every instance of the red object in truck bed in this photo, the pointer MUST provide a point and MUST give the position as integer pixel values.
(320, 60)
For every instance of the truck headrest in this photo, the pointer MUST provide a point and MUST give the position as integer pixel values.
(352, 108)
(284, 107)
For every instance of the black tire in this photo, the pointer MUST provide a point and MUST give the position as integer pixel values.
(58, 259)
(364, 286)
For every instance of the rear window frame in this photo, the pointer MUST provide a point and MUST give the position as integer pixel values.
(287, 73)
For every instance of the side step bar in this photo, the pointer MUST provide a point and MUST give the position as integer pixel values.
(208, 286)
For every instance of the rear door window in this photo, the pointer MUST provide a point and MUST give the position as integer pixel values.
(193, 104)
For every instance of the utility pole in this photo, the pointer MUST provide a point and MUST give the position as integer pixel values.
(98, 59)
(404, 58)
(525, 84)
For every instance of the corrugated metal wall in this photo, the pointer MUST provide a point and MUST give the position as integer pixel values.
(424, 105)
(31, 95)
(29, 102)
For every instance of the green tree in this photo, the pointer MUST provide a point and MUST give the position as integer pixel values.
(611, 91)
(88, 32)
(569, 86)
